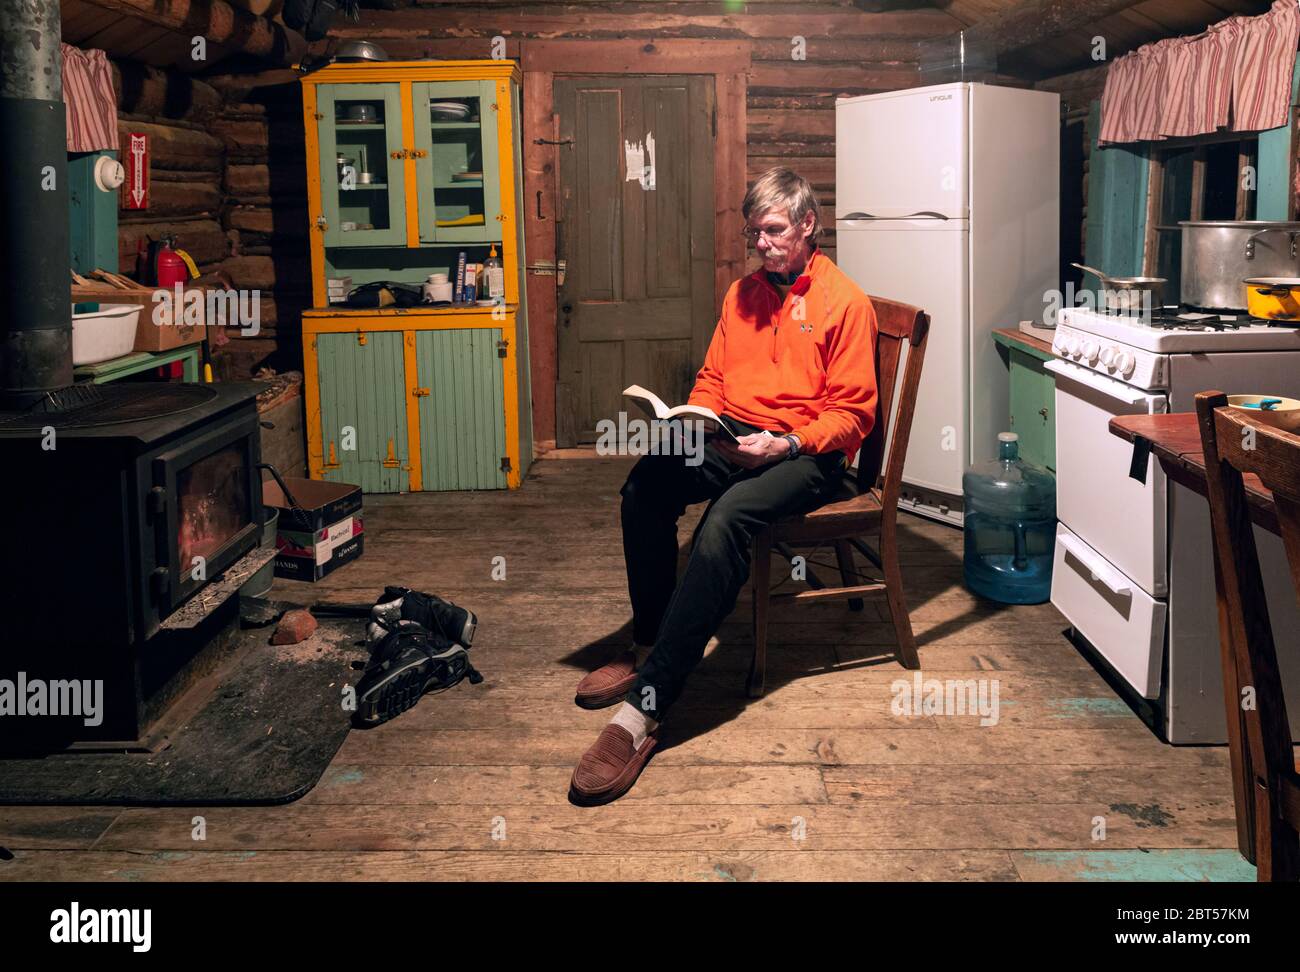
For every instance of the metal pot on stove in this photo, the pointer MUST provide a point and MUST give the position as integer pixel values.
(1219, 254)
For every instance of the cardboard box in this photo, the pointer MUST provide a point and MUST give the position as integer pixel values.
(311, 556)
(320, 503)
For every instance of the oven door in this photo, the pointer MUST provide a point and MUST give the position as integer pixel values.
(207, 507)
(1122, 519)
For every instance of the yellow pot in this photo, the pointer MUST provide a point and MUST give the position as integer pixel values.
(1273, 298)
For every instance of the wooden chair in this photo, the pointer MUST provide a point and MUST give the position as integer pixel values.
(868, 507)
(1237, 443)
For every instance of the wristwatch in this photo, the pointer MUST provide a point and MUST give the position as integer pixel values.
(794, 445)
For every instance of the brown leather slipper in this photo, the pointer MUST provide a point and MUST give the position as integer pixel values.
(609, 768)
(608, 684)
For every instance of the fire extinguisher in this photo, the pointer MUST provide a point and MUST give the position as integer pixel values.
(171, 268)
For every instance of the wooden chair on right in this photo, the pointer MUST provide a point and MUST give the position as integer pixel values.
(1235, 443)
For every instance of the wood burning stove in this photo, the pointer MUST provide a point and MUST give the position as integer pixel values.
(122, 506)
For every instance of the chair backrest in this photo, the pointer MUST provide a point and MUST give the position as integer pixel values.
(1235, 443)
(896, 323)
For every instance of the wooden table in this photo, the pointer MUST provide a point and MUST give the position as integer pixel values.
(1175, 440)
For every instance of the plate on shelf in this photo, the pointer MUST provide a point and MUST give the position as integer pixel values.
(466, 176)
(448, 109)
(473, 219)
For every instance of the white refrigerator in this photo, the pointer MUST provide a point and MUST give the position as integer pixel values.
(947, 197)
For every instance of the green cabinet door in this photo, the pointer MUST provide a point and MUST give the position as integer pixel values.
(363, 198)
(1033, 396)
(362, 410)
(462, 418)
(456, 146)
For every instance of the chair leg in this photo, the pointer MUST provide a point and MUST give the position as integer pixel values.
(849, 573)
(761, 579)
(897, 604)
(1277, 845)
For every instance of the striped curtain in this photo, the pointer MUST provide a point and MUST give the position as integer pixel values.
(1235, 75)
(90, 100)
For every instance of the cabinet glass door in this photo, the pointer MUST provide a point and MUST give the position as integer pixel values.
(458, 171)
(363, 189)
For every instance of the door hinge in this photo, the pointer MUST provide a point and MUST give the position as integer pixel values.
(503, 348)
(505, 464)
(391, 461)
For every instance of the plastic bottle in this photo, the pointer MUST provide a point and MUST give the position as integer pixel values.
(1010, 525)
(496, 277)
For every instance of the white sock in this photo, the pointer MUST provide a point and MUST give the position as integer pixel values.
(634, 721)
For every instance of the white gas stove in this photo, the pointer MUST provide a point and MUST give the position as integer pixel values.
(1133, 569)
(1135, 350)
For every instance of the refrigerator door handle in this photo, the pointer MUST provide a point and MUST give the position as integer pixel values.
(927, 213)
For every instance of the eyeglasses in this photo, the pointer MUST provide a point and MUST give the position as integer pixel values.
(752, 234)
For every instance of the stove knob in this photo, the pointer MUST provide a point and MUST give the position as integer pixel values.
(1072, 346)
(1090, 352)
(1108, 356)
(1125, 364)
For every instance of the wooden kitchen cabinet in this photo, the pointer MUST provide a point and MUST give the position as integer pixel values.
(423, 398)
(1033, 398)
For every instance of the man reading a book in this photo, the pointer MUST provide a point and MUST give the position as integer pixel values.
(791, 370)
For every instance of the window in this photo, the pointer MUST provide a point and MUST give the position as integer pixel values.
(1209, 179)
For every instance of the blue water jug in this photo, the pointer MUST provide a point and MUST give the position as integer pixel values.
(1010, 527)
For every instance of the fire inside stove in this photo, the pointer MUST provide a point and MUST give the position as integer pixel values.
(212, 503)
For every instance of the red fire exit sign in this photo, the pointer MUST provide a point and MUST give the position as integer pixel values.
(135, 190)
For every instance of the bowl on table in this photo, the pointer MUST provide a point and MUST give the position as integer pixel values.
(1279, 412)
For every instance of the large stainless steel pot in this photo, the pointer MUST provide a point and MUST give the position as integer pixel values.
(1219, 255)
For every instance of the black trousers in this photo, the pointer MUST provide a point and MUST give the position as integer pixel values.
(679, 617)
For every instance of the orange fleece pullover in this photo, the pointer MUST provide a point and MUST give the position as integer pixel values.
(804, 365)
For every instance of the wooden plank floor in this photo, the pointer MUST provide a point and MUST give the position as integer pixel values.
(820, 779)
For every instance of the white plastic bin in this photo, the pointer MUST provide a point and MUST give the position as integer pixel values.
(103, 334)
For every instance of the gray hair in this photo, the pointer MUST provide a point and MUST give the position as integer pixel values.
(783, 188)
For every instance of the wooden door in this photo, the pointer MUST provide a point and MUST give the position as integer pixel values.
(636, 190)
(363, 411)
(462, 418)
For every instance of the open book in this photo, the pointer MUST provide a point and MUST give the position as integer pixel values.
(654, 405)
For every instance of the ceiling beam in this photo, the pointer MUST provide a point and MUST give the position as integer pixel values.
(1024, 25)
(219, 23)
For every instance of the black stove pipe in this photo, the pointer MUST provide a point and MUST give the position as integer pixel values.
(35, 302)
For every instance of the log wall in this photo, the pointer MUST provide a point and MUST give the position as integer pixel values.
(802, 58)
(214, 167)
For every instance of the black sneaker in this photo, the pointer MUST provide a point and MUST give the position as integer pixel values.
(399, 605)
(406, 664)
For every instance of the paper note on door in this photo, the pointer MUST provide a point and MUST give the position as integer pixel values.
(640, 161)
